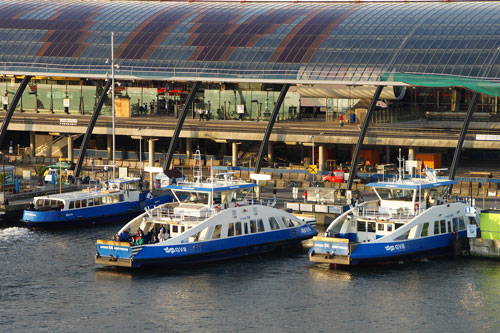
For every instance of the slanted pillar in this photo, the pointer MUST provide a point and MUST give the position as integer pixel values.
(175, 138)
(189, 147)
(70, 148)
(235, 154)
(270, 125)
(321, 158)
(362, 133)
(32, 144)
(90, 128)
(270, 152)
(10, 111)
(461, 139)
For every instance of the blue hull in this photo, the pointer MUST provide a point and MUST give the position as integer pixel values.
(203, 252)
(389, 252)
(89, 215)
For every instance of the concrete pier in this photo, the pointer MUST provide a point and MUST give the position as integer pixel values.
(489, 248)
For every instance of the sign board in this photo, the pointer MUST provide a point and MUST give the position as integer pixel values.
(258, 176)
(66, 102)
(153, 169)
(335, 209)
(411, 164)
(240, 108)
(68, 122)
(27, 174)
(313, 169)
(295, 192)
(292, 206)
(471, 231)
(122, 172)
(348, 194)
(5, 100)
(306, 207)
(321, 209)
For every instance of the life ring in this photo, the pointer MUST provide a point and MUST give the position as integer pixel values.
(237, 205)
(417, 207)
(217, 208)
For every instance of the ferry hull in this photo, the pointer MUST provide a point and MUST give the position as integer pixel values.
(342, 252)
(202, 252)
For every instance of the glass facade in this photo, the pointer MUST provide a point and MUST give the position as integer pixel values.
(232, 40)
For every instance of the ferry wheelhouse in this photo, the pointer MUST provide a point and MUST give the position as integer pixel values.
(411, 219)
(119, 199)
(208, 221)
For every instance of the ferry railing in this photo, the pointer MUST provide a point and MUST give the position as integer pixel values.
(386, 213)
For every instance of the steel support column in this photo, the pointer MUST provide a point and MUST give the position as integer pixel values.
(13, 106)
(270, 125)
(175, 138)
(90, 128)
(362, 133)
(461, 139)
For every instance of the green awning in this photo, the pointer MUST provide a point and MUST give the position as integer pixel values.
(429, 80)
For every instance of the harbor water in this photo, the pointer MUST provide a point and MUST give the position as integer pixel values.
(49, 282)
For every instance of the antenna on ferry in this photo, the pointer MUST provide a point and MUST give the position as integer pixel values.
(400, 160)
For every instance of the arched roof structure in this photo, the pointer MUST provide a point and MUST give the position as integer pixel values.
(276, 41)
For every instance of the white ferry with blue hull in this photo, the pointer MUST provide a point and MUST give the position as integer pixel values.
(120, 199)
(210, 221)
(411, 220)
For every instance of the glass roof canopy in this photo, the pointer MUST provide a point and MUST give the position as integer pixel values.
(301, 42)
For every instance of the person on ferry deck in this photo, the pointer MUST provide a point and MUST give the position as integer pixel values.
(162, 235)
(139, 238)
(150, 195)
(31, 206)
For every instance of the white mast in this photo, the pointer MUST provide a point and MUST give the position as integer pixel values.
(113, 96)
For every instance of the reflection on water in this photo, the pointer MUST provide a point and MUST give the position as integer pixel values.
(49, 282)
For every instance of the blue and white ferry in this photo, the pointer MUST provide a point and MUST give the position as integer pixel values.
(411, 219)
(209, 220)
(118, 199)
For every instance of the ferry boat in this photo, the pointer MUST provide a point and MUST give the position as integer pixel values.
(412, 219)
(118, 199)
(209, 220)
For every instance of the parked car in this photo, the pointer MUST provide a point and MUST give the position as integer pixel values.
(336, 176)
(65, 165)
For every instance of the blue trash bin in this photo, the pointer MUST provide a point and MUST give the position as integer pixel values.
(352, 118)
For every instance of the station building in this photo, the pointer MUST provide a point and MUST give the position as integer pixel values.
(430, 57)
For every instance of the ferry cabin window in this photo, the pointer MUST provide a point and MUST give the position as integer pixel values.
(442, 225)
(77, 204)
(389, 227)
(449, 226)
(175, 229)
(121, 198)
(253, 226)
(230, 230)
(472, 220)
(362, 226)
(273, 223)
(97, 201)
(380, 227)
(237, 228)
(245, 227)
(436, 227)
(217, 231)
(288, 222)
(398, 225)
(115, 198)
(455, 224)
(395, 194)
(91, 202)
(371, 226)
(84, 203)
(461, 223)
(425, 230)
(260, 224)
(71, 205)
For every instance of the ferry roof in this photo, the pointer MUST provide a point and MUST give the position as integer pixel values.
(78, 195)
(124, 180)
(211, 187)
(412, 185)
